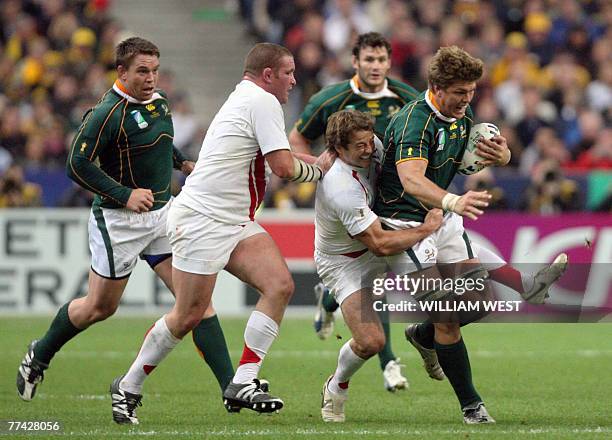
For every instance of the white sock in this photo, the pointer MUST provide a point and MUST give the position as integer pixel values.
(158, 342)
(489, 259)
(260, 332)
(348, 364)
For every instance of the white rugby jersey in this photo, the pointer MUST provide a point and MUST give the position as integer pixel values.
(229, 180)
(342, 205)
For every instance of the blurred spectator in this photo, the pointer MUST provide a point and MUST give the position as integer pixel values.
(346, 20)
(15, 192)
(598, 156)
(599, 92)
(187, 130)
(551, 192)
(537, 29)
(546, 146)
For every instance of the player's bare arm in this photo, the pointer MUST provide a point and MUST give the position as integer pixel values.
(412, 176)
(383, 242)
(299, 143)
(495, 151)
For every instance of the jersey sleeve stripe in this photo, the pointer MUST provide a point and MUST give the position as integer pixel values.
(410, 158)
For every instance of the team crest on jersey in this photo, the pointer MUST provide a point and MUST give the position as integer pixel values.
(139, 119)
(441, 136)
(463, 132)
(83, 147)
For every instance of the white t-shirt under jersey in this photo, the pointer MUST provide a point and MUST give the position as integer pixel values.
(229, 180)
(342, 205)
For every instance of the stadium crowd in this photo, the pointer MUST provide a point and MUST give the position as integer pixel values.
(548, 84)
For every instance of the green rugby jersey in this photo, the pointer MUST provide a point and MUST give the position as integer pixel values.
(346, 95)
(132, 141)
(419, 132)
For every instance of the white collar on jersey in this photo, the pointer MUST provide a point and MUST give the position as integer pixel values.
(384, 93)
(133, 100)
(432, 105)
(346, 166)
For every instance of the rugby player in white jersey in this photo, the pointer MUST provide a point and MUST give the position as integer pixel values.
(349, 244)
(211, 226)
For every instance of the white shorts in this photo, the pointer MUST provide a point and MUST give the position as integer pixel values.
(449, 244)
(118, 236)
(344, 275)
(202, 245)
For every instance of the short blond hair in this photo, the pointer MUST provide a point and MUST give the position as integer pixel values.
(341, 124)
(452, 64)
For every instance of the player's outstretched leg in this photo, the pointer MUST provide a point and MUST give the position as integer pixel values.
(323, 322)
(532, 288)
(542, 280)
(124, 404)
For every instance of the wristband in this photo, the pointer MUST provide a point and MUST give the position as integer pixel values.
(449, 201)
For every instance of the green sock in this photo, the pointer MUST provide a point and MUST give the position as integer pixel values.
(329, 302)
(60, 332)
(209, 339)
(386, 354)
(455, 362)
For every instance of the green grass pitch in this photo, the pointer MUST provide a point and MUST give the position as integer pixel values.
(538, 380)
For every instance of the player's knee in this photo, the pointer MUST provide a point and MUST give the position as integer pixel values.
(101, 311)
(189, 321)
(370, 344)
(284, 287)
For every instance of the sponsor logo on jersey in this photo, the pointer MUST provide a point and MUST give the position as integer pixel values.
(139, 119)
(373, 104)
(453, 126)
(463, 132)
(150, 107)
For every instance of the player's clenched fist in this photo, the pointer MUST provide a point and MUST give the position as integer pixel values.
(141, 200)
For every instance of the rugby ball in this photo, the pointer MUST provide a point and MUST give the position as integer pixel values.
(470, 156)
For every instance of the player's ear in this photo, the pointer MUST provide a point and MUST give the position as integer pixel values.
(122, 72)
(267, 74)
(355, 62)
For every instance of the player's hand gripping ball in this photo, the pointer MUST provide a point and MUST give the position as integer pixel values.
(470, 163)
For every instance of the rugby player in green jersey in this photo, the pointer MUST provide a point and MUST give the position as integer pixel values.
(423, 147)
(369, 91)
(130, 133)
